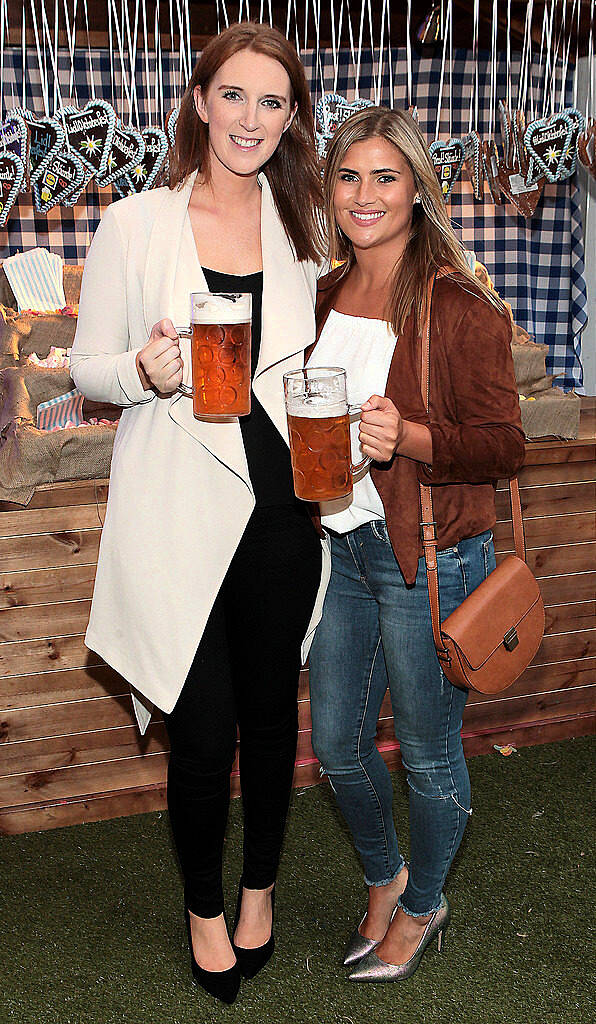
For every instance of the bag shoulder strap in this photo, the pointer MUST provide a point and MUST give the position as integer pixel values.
(428, 526)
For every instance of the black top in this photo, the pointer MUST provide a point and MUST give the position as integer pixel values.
(267, 454)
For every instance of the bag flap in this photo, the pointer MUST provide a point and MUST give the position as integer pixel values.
(500, 603)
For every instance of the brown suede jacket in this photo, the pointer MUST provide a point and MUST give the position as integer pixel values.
(474, 420)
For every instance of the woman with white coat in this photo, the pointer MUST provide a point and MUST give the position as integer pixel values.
(211, 574)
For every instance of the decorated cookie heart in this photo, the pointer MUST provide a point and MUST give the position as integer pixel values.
(143, 176)
(506, 133)
(12, 174)
(46, 138)
(14, 135)
(331, 111)
(73, 197)
(63, 175)
(90, 133)
(171, 122)
(490, 163)
(473, 160)
(124, 187)
(551, 145)
(127, 151)
(511, 180)
(448, 160)
(586, 147)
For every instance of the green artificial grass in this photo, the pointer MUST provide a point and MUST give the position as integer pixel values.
(92, 929)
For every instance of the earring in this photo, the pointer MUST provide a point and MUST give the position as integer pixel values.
(417, 199)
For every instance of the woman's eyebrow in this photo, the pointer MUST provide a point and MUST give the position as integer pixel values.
(267, 96)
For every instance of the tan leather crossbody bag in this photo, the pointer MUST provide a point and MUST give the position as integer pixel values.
(491, 638)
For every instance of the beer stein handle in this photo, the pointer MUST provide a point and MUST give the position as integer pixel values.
(184, 332)
(367, 459)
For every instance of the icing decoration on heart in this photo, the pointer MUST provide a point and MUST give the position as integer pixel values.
(46, 138)
(14, 135)
(448, 160)
(473, 161)
(73, 198)
(12, 174)
(586, 147)
(62, 176)
(490, 163)
(331, 111)
(124, 187)
(551, 143)
(127, 151)
(171, 122)
(510, 172)
(143, 176)
(90, 133)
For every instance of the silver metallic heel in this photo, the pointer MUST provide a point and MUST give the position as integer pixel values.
(371, 968)
(440, 938)
(359, 946)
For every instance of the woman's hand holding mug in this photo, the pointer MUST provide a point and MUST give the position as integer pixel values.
(159, 363)
(381, 428)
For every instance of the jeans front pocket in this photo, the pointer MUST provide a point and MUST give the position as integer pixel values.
(380, 531)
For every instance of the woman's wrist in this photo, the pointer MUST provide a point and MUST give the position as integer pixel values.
(147, 385)
(415, 442)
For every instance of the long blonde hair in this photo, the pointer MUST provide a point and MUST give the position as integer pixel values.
(432, 243)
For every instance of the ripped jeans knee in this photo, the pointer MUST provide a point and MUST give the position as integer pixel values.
(437, 783)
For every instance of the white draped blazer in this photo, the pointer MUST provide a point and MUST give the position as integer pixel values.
(180, 493)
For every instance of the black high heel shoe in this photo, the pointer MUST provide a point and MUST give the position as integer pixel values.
(223, 985)
(252, 960)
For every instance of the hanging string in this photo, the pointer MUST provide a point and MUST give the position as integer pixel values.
(42, 75)
(389, 58)
(493, 70)
(443, 64)
(111, 49)
(3, 18)
(47, 35)
(70, 38)
(146, 54)
(590, 92)
(159, 111)
(24, 58)
(575, 75)
(316, 10)
(509, 54)
(473, 118)
(450, 71)
(188, 42)
(350, 31)
(124, 77)
(409, 49)
(91, 78)
(565, 67)
(379, 87)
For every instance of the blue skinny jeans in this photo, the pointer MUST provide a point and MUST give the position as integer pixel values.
(376, 632)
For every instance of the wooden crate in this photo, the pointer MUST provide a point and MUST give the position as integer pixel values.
(69, 747)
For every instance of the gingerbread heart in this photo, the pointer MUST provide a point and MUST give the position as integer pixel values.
(46, 138)
(12, 175)
(473, 161)
(448, 160)
(490, 163)
(511, 180)
(551, 145)
(14, 135)
(127, 151)
(90, 133)
(331, 111)
(171, 122)
(586, 147)
(73, 197)
(62, 176)
(124, 187)
(143, 176)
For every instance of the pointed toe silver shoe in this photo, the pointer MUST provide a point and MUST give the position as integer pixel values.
(359, 946)
(371, 968)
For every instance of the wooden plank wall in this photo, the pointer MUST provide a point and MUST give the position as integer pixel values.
(69, 748)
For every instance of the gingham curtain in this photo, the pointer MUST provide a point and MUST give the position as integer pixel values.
(537, 266)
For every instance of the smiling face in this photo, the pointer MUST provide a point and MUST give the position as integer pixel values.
(247, 107)
(374, 195)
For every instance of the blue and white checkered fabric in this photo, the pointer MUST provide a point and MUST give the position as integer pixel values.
(536, 265)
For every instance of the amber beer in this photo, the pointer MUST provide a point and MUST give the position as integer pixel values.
(220, 354)
(319, 433)
(320, 451)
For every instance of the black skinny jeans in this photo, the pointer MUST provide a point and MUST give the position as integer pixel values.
(244, 674)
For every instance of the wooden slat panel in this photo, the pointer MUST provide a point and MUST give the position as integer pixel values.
(544, 454)
(569, 471)
(566, 558)
(44, 620)
(53, 687)
(39, 816)
(510, 711)
(83, 780)
(81, 748)
(74, 492)
(543, 678)
(529, 735)
(44, 586)
(29, 656)
(52, 520)
(560, 499)
(579, 587)
(566, 647)
(66, 719)
(562, 618)
(44, 551)
(550, 530)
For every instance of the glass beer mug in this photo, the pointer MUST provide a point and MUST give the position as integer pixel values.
(220, 354)
(319, 428)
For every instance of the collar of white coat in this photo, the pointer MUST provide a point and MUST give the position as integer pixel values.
(287, 314)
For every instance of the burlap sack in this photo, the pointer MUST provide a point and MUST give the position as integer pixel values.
(22, 334)
(529, 366)
(554, 413)
(30, 457)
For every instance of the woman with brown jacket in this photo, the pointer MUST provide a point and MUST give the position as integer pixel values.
(388, 224)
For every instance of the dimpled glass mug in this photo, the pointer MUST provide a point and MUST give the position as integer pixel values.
(319, 427)
(220, 354)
